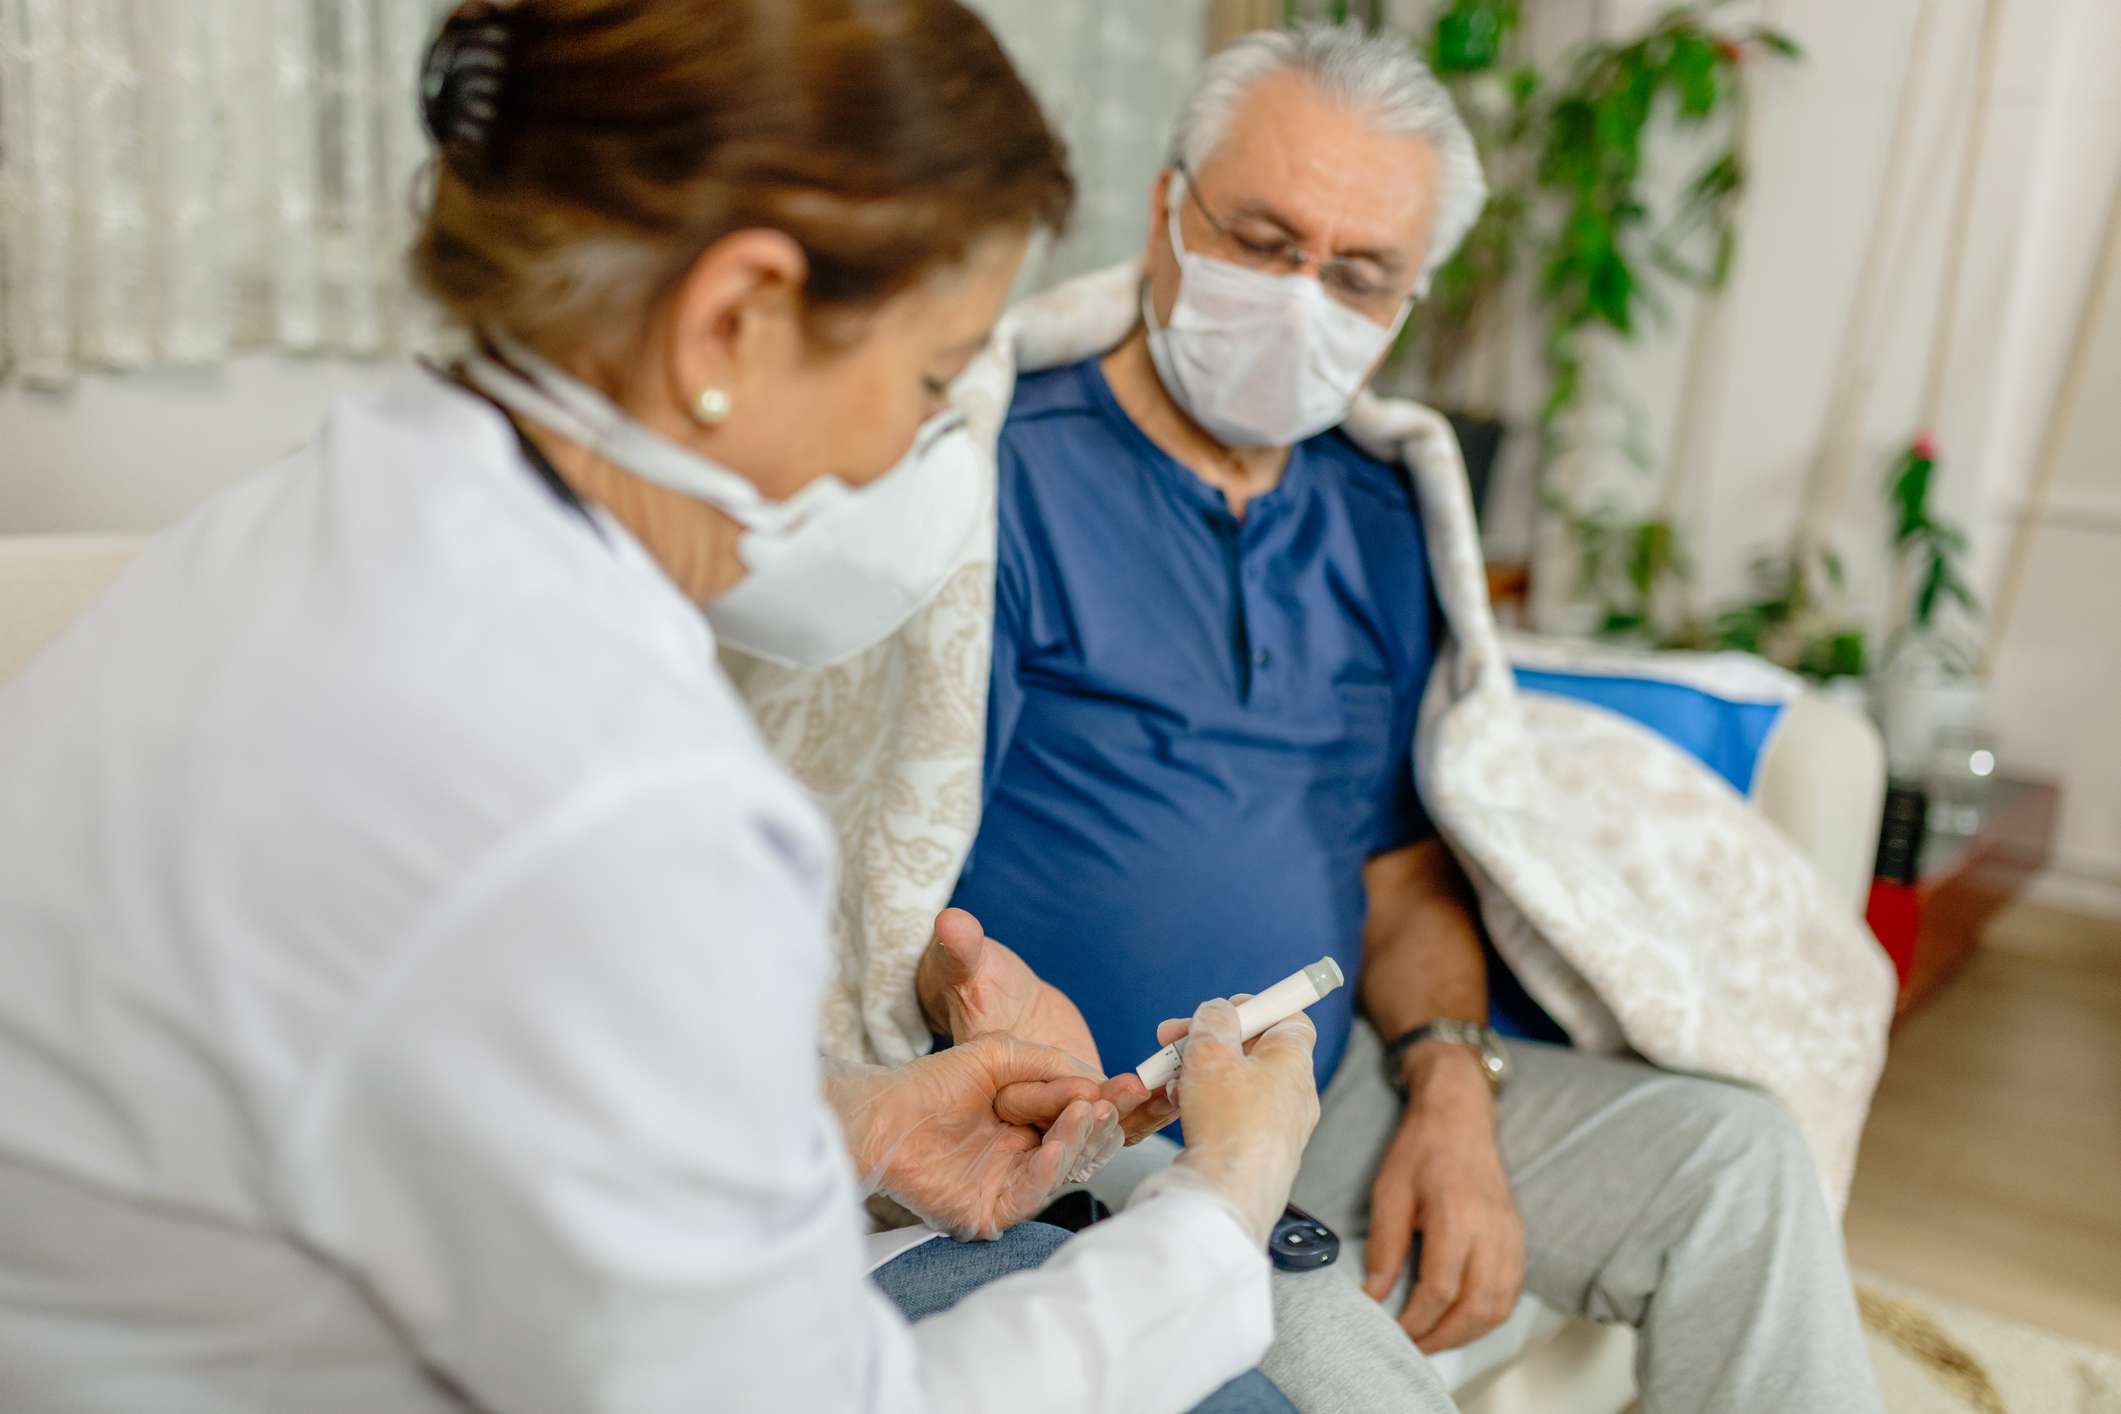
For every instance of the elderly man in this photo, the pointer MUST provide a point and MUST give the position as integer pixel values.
(1213, 627)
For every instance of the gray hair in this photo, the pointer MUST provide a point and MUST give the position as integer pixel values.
(1374, 74)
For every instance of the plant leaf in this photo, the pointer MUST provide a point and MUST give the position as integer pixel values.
(1781, 43)
(1612, 286)
(1933, 576)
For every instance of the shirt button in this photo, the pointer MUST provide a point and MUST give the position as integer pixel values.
(1264, 658)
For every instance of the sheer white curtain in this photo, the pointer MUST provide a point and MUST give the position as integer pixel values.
(179, 178)
(1110, 74)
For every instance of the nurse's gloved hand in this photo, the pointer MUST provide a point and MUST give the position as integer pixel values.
(939, 1135)
(1249, 1112)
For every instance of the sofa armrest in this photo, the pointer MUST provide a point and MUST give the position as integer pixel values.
(45, 583)
(1821, 781)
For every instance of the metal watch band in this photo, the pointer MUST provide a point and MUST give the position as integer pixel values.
(1471, 1034)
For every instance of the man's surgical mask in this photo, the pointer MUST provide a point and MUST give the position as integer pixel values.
(1259, 360)
(833, 569)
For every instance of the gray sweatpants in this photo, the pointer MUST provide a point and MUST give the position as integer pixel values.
(1687, 1208)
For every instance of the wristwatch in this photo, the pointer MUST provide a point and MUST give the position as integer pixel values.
(1481, 1040)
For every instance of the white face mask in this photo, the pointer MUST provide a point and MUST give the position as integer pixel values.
(1259, 360)
(833, 570)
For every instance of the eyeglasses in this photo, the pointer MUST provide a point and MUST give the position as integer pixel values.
(1355, 281)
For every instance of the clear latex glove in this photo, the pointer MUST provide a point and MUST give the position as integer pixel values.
(940, 1136)
(1249, 1112)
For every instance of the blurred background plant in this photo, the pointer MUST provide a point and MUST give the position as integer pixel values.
(1930, 555)
(1473, 50)
(1570, 209)
(1609, 261)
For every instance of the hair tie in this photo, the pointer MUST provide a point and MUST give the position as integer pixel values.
(461, 87)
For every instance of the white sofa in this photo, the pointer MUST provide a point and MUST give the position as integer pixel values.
(1822, 781)
(45, 581)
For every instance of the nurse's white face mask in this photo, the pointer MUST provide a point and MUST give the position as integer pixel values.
(833, 569)
(1258, 360)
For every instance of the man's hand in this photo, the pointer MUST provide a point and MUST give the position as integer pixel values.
(976, 1138)
(1443, 1177)
(970, 985)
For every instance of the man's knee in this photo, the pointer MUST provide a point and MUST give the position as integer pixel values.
(1335, 1348)
(1753, 1122)
(1745, 1140)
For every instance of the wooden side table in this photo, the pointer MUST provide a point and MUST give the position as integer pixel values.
(1962, 883)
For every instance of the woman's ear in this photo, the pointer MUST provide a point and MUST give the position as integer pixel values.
(736, 317)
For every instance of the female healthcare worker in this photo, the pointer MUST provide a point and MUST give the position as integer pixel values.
(409, 958)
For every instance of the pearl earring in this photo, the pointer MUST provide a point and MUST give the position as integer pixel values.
(711, 407)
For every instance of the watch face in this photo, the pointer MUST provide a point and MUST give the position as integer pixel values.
(1495, 1058)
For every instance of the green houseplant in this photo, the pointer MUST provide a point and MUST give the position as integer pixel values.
(1609, 258)
(1929, 679)
(1930, 554)
(1471, 48)
(1470, 51)
(1796, 619)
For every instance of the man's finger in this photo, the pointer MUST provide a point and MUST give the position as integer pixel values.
(1391, 1235)
(962, 940)
(1444, 1253)
(1041, 1102)
(1152, 1118)
(1480, 1307)
(1141, 1114)
(1126, 1090)
(1170, 1030)
(1148, 1118)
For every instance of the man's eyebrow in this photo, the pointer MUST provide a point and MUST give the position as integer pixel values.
(1256, 210)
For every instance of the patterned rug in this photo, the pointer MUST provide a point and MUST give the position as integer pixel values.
(1936, 1357)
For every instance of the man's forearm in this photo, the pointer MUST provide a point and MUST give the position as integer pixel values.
(1422, 956)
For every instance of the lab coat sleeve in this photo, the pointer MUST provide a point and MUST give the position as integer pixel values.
(574, 1145)
(1151, 1310)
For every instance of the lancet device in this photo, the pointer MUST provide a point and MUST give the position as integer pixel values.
(1278, 1003)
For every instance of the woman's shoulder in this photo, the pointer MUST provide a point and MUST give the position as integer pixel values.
(403, 598)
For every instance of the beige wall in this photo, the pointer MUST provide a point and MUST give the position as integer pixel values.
(2057, 694)
(135, 451)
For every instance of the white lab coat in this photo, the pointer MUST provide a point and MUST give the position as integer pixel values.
(409, 966)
